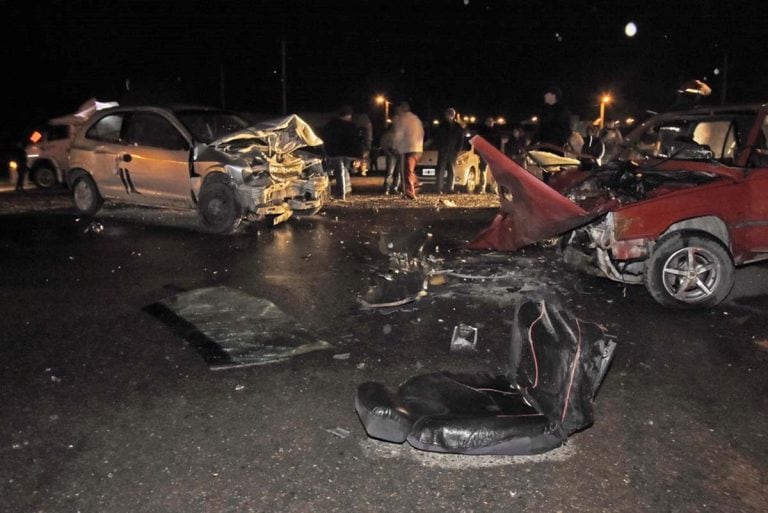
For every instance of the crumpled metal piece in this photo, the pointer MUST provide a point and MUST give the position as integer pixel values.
(530, 209)
(231, 328)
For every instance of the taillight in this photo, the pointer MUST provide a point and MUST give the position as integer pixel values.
(35, 137)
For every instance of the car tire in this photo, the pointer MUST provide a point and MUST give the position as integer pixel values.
(218, 208)
(670, 280)
(44, 177)
(471, 185)
(86, 195)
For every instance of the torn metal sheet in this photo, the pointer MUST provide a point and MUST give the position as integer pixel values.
(231, 328)
(530, 210)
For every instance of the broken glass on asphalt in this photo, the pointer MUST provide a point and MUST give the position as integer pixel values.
(231, 328)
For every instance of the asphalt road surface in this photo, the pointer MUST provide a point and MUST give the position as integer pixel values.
(107, 409)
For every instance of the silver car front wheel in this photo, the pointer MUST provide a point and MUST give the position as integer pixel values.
(218, 208)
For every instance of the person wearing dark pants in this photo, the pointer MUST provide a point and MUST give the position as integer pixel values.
(340, 167)
(448, 139)
(20, 158)
(342, 146)
(490, 133)
(392, 161)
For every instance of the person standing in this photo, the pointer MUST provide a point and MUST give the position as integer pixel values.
(448, 139)
(20, 158)
(365, 136)
(517, 145)
(408, 140)
(613, 139)
(594, 147)
(391, 158)
(342, 146)
(554, 121)
(490, 133)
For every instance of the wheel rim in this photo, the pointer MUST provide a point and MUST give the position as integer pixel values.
(83, 195)
(217, 211)
(45, 177)
(692, 274)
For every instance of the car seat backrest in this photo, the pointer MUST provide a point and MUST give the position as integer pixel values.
(559, 360)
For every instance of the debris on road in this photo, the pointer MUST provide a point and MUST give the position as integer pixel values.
(95, 227)
(230, 328)
(464, 338)
(396, 303)
(340, 432)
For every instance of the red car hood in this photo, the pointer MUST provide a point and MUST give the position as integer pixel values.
(530, 209)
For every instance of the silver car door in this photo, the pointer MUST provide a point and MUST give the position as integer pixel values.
(154, 166)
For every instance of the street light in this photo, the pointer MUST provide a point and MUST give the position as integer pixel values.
(381, 99)
(605, 99)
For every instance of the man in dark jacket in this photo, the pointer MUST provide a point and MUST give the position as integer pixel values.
(448, 139)
(490, 132)
(342, 145)
(554, 120)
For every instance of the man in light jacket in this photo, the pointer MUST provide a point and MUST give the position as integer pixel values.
(408, 141)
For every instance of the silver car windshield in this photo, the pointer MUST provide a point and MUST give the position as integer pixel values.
(207, 126)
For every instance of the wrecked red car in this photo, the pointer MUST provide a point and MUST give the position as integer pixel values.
(685, 205)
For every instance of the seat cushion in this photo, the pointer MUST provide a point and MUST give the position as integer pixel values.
(463, 413)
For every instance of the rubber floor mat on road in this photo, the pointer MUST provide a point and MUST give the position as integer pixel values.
(230, 328)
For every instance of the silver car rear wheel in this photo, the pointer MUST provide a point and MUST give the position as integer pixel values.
(86, 195)
(44, 177)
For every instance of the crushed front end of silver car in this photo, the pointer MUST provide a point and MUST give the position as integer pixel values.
(274, 176)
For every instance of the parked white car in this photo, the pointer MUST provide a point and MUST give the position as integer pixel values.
(466, 171)
(48, 145)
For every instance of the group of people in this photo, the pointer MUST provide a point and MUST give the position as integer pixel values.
(556, 133)
(403, 145)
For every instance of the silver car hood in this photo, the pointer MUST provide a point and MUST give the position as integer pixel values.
(274, 137)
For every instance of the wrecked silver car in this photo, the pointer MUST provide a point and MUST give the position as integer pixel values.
(198, 157)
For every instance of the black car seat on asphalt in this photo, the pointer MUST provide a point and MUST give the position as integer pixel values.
(557, 363)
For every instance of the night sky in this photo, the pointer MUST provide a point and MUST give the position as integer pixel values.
(486, 57)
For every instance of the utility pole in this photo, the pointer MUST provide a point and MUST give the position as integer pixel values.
(723, 92)
(283, 79)
(221, 86)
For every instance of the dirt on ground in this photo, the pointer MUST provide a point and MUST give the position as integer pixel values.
(366, 194)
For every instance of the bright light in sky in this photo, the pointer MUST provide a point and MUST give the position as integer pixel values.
(630, 29)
